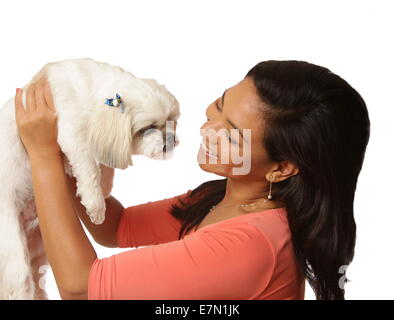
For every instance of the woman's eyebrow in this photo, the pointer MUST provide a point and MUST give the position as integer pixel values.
(229, 121)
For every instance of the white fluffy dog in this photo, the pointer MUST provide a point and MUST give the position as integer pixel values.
(105, 115)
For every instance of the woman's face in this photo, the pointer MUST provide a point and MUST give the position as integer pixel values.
(230, 154)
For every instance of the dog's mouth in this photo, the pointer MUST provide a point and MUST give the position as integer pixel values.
(155, 146)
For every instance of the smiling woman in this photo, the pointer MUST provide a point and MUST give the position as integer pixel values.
(298, 114)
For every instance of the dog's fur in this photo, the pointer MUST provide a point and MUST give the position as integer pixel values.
(90, 133)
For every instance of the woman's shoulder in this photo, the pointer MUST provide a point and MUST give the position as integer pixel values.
(273, 224)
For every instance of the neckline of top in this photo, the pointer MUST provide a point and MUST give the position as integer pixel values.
(279, 209)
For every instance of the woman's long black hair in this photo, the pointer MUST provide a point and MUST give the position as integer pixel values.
(316, 120)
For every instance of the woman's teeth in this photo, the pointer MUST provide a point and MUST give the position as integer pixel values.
(207, 152)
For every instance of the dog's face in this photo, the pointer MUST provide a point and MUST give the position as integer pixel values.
(154, 126)
(157, 138)
(143, 124)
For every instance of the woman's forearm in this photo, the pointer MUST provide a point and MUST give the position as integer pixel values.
(68, 249)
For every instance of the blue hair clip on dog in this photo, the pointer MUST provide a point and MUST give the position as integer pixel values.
(115, 102)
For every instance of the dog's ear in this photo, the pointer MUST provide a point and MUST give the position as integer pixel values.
(110, 137)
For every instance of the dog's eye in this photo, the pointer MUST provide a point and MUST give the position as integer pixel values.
(141, 131)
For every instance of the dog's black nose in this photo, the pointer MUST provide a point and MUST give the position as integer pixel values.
(169, 143)
(168, 148)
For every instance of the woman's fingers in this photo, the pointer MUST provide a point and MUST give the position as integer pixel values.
(39, 94)
(19, 108)
(30, 98)
(48, 96)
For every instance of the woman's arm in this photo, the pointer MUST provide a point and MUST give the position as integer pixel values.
(105, 233)
(67, 247)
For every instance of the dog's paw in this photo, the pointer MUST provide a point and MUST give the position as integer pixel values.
(95, 209)
(96, 218)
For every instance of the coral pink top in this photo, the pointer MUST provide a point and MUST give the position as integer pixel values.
(248, 257)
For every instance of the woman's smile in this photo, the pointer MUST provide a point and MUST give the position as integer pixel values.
(207, 151)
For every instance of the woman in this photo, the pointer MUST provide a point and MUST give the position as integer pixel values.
(253, 235)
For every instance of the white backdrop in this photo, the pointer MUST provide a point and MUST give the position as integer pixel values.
(199, 48)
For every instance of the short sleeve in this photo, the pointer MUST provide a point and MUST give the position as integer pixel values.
(149, 223)
(221, 262)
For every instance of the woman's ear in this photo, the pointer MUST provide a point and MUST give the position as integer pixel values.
(110, 137)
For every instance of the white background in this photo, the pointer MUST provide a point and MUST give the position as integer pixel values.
(199, 48)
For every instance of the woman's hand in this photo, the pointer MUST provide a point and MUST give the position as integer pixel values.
(37, 124)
